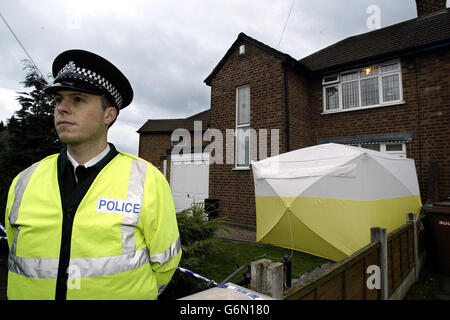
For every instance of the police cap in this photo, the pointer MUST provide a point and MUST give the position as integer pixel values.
(83, 71)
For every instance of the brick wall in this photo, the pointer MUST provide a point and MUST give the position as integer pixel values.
(152, 147)
(433, 107)
(425, 113)
(264, 73)
(300, 131)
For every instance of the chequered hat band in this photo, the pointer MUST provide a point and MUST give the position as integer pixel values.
(71, 71)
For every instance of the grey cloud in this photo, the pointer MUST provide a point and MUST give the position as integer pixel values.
(167, 48)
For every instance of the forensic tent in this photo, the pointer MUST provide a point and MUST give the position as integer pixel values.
(324, 199)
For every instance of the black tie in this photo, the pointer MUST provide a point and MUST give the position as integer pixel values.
(82, 173)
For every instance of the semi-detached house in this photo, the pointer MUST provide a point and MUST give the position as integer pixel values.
(386, 90)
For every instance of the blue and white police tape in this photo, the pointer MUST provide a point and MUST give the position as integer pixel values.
(225, 286)
(4, 230)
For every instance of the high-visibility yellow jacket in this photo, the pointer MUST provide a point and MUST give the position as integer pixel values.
(125, 240)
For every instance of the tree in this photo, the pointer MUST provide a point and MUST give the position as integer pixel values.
(3, 136)
(31, 132)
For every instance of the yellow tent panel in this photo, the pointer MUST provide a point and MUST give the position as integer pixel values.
(323, 200)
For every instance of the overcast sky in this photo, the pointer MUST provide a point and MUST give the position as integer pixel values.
(167, 48)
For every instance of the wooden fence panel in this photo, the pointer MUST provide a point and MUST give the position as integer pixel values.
(390, 268)
(347, 278)
(404, 253)
(372, 258)
(310, 296)
(354, 277)
(396, 263)
(410, 248)
(335, 282)
(331, 290)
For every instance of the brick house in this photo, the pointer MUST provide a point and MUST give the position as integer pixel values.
(155, 144)
(386, 90)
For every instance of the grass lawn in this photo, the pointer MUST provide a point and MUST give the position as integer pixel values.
(235, 253)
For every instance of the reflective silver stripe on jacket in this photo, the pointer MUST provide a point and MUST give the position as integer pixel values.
(19, 190)
(130, 258)
(166, 256)
(47, 268)
(135, 194)
(103, 266)
(43, 268)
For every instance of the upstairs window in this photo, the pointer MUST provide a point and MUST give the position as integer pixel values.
(367, 87)
(243, 126)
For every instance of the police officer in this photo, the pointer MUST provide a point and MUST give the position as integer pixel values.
(90, 222)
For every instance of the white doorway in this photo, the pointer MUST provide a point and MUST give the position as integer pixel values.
(189, 179)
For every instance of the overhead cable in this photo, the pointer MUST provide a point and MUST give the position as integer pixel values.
(285, 24)
(20, 43)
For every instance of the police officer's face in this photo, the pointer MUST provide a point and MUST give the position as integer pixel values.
(80, 117)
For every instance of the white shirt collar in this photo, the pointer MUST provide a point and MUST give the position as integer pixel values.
(91, 162)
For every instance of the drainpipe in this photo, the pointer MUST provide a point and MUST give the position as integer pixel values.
(418, 131)
(286, 101)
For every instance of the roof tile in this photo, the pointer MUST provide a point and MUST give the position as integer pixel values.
(411, 34)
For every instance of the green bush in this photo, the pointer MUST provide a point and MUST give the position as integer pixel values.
(196, 233)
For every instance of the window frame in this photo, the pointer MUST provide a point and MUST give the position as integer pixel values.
(334, 85)
(337, 75)
(341, 92)
(383, 149)
(379, 76)
(241, 126)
